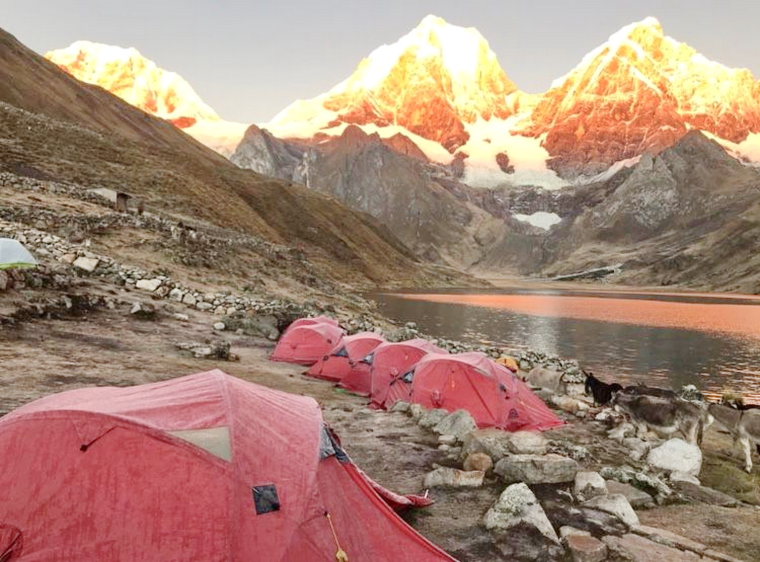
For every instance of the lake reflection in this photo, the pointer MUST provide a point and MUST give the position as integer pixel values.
(666, 340)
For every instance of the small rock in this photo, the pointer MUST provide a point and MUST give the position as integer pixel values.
(203, 306)
(617, 505)
(189, 299)
(684, 477)
(639, 549)
(588, 485)
(637, 498)
(568, 404)
(4, 280)
(445, 476)
(621, 432)
(478, 461)
(447, 440)
(527, 443)
(181, 317)
(219, 326)
(431, 418)
(676, 455)
(416, 411)
(401, 406)
(143, 311)
(637, 447)
(704, 494)
(517, 505)
(68, 258)
(86, 264)
(537, 469)
(458, 424)
(176, 294)
(149, 285)
(567, 530)
(586, 548)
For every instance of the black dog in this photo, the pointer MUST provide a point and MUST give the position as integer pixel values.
(601, 391)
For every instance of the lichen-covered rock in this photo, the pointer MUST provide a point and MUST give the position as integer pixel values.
(617, 505)
(430, 418)
(445, 476)
(537, 469)
(588, 485)
(517, 504)
(458, 424)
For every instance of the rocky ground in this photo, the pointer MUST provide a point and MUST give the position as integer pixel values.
(106, 309)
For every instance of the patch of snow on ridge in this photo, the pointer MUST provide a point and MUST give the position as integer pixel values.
(489, 138)
(540, 219)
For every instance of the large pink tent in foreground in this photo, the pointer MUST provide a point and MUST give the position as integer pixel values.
(307, 342)
(390, 362)
(205, 467)
(490, 392)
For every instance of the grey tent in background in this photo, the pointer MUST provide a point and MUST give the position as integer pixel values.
(13, 255)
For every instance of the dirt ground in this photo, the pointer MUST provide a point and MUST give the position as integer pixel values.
(111, 347)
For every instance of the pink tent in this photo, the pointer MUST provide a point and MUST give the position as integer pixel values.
(205, 467)
(306, 344)
(345, 356)
(490, 392)
(312, 320)
(390, 362)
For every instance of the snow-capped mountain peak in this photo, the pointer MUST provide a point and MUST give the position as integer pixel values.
(431, 82)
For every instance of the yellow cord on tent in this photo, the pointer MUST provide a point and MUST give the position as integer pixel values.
(340, 555)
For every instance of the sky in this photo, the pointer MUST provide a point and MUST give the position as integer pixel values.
(250, 59)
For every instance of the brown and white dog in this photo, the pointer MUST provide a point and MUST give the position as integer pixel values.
(744, 426)
(665, 416)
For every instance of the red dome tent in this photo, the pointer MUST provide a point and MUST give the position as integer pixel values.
(205, 467)
(307, 343)
(312, 320)
(491, 393)
(345, 357)
(389, 363)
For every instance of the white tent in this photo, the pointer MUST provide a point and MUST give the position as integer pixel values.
(14, 255)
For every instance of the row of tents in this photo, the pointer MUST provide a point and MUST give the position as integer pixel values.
(415, 371)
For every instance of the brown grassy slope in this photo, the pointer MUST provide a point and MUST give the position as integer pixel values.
(96, 139)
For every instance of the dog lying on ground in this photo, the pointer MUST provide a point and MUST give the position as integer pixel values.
(664, 416)
(743, 424)
(601, 391)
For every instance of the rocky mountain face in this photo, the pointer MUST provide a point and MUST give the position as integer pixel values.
(73, 132)
(414, 199)
(689, 215)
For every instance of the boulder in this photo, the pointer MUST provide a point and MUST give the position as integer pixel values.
(478, 461)
(416, 411)
(617, 505)
(567, 530)
(537, 469)
(143, 311)
(400, 406)
(641, 480)
(458, 424)
(189, 299)
(430, 418)
(637, 448)
(594, 521)
(637, 498)
(588, 485)
(447, 440)
(676, 455)
(667, 538)
(149, 285)
(684, 477)
(497, 443)
(639, 549)
(585, 548)
(176, 294)
(445, 476)
(517, 505)
(548, 379)
(86, 264)
(704, 494)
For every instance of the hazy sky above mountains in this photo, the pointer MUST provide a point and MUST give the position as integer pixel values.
(249, 59)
